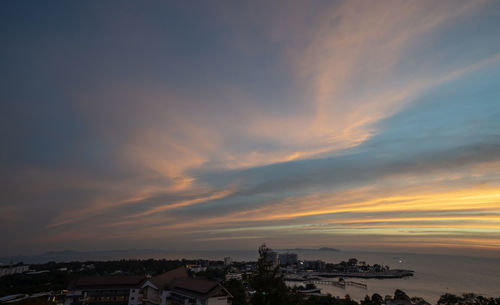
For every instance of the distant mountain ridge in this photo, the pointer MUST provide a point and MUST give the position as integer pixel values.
(70, 255)
(108, 255)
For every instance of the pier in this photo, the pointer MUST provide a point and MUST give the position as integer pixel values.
(340, 284)
(356, 284)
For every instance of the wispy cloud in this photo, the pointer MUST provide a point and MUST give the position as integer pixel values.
(251, 121)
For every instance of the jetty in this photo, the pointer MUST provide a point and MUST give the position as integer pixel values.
(389, 274)
(341, 284)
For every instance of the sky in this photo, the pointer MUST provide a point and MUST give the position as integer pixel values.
(360, 125)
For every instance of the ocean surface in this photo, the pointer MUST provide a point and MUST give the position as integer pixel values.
(434, 276)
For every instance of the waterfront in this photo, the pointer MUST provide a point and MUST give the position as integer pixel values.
(434, 274)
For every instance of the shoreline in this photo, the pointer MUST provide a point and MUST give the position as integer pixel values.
(391, 274)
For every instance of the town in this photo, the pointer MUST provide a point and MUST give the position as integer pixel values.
(202, 282)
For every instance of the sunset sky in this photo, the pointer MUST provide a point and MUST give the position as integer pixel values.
(365, 125)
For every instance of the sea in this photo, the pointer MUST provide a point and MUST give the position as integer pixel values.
(434, 275)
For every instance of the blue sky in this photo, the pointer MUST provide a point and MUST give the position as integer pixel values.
(301, 124)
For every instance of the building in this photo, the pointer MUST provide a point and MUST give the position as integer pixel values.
(170, 288)
(316, 265)
(104, 290)
(196, 268)
(288, 258)
(272, 257)
(165, 281)
(13, 269)
(197, 292)
(227, 261)
(234, 276)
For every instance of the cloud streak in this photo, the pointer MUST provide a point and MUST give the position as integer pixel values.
(167, 123)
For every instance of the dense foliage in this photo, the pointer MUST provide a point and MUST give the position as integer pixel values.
(376, 299)
(467, 299)
(328, 300)
(22, 283)
(238, 291)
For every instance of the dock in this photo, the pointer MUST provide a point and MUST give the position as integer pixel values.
(340, 284)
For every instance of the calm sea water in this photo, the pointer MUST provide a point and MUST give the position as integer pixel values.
(434, 274)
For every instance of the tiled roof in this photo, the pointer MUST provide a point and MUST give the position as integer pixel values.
(195, 285)
(166, 279)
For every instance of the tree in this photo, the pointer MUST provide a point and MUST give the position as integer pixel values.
(366, 301)
(449, 299)
(270, 289)
(467, 299)
(400, 295)
(377, 299)
(238, 292)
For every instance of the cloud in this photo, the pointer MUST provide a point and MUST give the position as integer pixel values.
(156, 125)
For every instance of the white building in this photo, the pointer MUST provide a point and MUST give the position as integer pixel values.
(120, 290)
(13, 269)
(196, 268)
(234, 276)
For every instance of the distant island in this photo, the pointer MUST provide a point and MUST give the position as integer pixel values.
(70, 255)
(328, 249)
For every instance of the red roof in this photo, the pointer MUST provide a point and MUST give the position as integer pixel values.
(195, 285)
(199, 288)
(166, 279)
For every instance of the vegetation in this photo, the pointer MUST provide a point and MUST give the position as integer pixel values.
(467, 299)
(238, 291)
(267, 283)
(329, 300)
(354, 265)
(400, 295)
(22, 283)
(376, 299)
